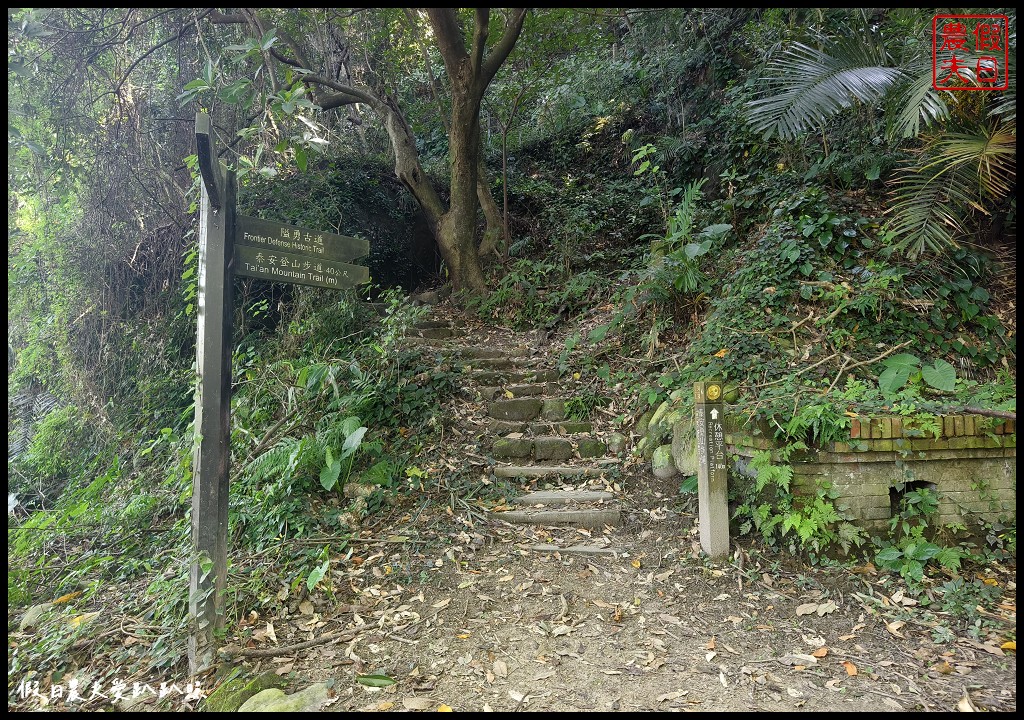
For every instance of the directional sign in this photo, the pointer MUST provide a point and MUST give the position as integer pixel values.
(712, 469)
(301, 269)
(275, 237)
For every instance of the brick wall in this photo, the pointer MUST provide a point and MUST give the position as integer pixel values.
(971, 464)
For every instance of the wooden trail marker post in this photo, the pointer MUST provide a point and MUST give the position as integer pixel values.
(712, 469)
(230, 244)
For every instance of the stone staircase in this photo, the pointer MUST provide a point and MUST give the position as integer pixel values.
(521, 426)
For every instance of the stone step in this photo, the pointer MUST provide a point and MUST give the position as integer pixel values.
(508, 375)
(540, 427)
(581, 517)
(544, 471)
(496, 363)
(548, 447)
(428, 324)
(526, 409)
(562, 497)
(438, 344)
(486, 353)
(436, 333)
(494, 392)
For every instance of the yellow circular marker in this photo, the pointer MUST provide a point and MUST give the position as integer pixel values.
(714, 391)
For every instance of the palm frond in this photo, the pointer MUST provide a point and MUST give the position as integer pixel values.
(807, 86)
(1006, 106)
(990, 153)
(914, 103)
(929, 208)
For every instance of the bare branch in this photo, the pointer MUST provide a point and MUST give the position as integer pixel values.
(347, 95)
(149, 52)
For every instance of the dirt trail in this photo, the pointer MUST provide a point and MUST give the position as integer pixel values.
(462, 611)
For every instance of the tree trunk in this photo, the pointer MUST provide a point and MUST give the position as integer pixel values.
(456, 235)
(493, 229)
(470, 72)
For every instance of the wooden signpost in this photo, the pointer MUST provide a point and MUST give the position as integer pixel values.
(229, 245)
(712, 469)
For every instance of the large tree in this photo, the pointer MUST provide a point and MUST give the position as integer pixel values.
(471, 60)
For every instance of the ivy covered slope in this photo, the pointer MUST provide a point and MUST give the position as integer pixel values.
(774, 253)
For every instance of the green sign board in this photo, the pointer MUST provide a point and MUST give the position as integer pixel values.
(301, 269)
(275, 251)
(275, 237)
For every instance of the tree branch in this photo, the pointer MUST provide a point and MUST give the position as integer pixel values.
(1005, 414)
(347, 95)
(500, 52)
(425, 51)
(449, 37)
(481, 18)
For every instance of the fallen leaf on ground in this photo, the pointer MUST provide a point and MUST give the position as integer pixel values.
(820, 652)
(966, 704)
(895, 627)
(82, 619)
(807, 609)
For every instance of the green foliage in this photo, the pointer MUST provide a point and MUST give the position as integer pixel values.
(582, 406)
(537, 294)
(968, 161)
(911, 550)
(610, 149)
(332, 470)
(308, 417)
(63, 450)
(770, 506)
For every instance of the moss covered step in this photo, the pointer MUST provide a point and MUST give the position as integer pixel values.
(497, 363)
(530, 408)
(548, 447)
(496, 392)
(433, 330)
(486, 353)
(519, 409)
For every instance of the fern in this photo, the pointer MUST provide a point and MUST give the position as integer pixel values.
(272, 463)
